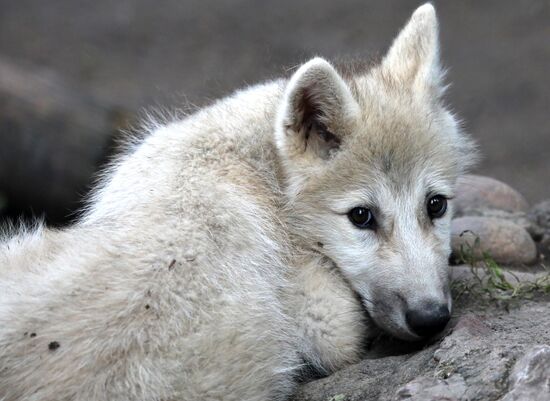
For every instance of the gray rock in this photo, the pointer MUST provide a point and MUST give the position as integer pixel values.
(522, 219)
(506, 242)
(475, 361)
(433, 389)
(530, 379)
(371, 379)
(544, 248)
(540, 213)
(475, 192)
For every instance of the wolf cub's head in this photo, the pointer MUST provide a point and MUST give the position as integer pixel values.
(371, 162)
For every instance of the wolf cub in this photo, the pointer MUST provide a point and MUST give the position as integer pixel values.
(281, 226)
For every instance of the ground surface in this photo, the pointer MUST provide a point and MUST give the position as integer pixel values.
(492, 350)
(138, 53)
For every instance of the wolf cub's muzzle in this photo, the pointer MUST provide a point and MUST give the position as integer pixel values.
(428, 319)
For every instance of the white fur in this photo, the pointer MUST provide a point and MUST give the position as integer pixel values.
(216, 259)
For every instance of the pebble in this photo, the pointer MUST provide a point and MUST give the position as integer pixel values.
(506, 242)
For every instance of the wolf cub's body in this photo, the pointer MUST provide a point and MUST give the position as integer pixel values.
(275, 229)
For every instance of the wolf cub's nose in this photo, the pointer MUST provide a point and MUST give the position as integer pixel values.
(429, 319)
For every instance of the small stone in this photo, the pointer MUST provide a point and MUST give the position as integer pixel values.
(475, 192)
(504, 241)
(530, 379)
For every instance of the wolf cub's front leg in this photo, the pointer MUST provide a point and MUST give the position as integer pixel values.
(331, 319)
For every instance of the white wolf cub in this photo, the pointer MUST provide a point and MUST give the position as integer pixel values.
(277, 228)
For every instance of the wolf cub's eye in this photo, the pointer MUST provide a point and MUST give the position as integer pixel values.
(361, 217)
(437, 206)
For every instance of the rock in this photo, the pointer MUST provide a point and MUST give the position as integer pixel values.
(544, 247)
(498, 215)
(471, 325)
(483, 347)
(540, 213)
(475, 192)
(371, 379)
(506, 242)
(476, 361)
(522, 219)
(433, 389)
(530, 378)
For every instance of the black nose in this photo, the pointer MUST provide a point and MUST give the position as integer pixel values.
(429, 319)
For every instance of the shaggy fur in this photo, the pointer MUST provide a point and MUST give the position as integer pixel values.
(216, 258)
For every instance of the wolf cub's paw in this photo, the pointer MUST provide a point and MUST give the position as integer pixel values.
(332, 319)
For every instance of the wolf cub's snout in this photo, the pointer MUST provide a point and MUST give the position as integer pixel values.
(428, 319)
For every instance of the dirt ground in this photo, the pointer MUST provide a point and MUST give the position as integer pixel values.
(172, 53)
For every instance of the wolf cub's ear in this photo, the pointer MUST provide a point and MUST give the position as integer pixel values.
(316, 106)
(413, 58)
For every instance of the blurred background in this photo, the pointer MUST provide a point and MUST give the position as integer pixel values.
(75, 72)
